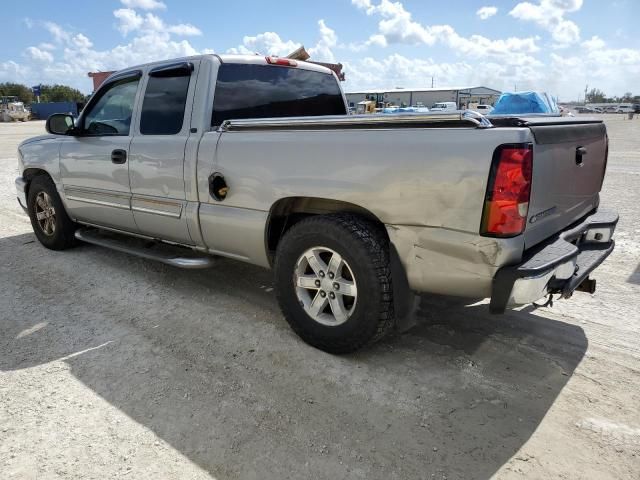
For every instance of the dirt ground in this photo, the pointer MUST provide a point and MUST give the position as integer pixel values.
(115, 366)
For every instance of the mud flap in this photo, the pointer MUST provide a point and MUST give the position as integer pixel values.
(405, 300)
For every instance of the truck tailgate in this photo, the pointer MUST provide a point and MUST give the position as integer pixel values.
(569, 162)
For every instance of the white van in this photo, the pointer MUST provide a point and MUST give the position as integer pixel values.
(444, 107)
(626, 108)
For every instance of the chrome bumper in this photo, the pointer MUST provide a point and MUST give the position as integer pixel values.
(560, 265)
(21, 190)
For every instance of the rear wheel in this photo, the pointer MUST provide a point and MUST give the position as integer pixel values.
(51, 224)
(334, 281)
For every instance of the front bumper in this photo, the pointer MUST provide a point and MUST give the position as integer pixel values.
(560, 265)
(21, 190)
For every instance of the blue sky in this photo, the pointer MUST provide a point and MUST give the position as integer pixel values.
(553, 45)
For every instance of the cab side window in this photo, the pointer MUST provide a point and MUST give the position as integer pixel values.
(111, 113)
(164, 104)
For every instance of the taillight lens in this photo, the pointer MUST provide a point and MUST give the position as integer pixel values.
(507, 199)
(287, 62)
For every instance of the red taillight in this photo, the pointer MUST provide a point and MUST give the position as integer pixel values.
(506, 203)
(287, 62)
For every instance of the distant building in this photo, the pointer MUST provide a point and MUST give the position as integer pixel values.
(463, 96)
(98, 78)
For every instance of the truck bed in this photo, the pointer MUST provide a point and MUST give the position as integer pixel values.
(425, 176)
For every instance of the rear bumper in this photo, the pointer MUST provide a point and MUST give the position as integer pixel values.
(559, 265)
(21, 190)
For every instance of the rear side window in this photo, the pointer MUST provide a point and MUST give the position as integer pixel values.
(163, 105)
(263, 91)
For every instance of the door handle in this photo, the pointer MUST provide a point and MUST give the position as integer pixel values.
(119, 156)
(580, 152)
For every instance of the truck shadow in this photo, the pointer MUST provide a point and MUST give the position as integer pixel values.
(205, 360)
(635, 276)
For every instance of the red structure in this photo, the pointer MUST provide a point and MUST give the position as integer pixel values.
(98, 78)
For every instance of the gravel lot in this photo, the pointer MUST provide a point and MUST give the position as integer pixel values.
(114, 366)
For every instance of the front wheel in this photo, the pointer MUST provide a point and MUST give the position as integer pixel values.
(51, 224)
(334, 281)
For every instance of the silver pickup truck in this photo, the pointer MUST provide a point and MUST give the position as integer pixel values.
(255, 158)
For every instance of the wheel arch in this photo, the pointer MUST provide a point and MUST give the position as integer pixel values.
(288, 211)
(32, 172)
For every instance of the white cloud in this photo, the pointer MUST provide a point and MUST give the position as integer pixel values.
(549, 14)
(611, 70)
(594, 43)
(70, 55)
(184, 29)
(322, 50)
(399, 71)
(362, 4)
(144, 4)
(398, 27)
(14, 72)
(131, 21)
(270, 43)
(267, 43)
(59, 34)
(67, 55)
(486, 12)
(39, 55)
(46, 46)
(82, 42)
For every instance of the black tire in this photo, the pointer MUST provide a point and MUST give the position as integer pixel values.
(62, 234)
(365, 247)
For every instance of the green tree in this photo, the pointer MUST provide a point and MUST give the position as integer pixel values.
(61, 93)
(627, 97)
(596, 96)
(23, 92)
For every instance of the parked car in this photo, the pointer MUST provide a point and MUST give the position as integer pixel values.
(611, 109)
(586, 110)
(444, 107)
(626, 109)
(255, 159)
(636, 107)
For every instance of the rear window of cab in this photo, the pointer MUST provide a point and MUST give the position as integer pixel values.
(265, 91)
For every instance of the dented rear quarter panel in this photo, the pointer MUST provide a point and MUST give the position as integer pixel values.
(427, 185)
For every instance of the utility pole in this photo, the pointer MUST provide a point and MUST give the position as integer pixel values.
(586, 87)
(432, 82)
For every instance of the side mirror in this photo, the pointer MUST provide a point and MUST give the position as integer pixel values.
(60, 124)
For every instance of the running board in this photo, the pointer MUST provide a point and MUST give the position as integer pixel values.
(175, 256)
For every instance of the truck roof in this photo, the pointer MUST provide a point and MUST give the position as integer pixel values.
(229, 58)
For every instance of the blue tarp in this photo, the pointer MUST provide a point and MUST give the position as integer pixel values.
(44, 110)
(525, 102)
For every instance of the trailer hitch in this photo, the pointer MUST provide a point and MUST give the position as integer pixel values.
(588, 285)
